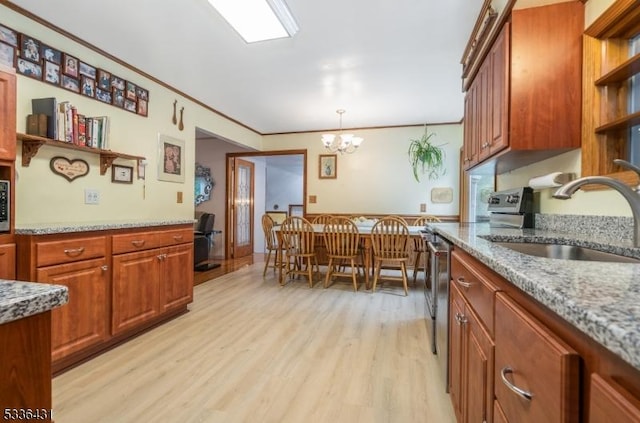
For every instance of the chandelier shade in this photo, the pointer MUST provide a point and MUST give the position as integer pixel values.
(342, 143)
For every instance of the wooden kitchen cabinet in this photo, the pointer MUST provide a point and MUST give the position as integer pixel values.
(8, 261)
(82, 322)
(7, 114)
(530, 358)
(151, 282)
(523, 113)
(610, 402)
(471, 344)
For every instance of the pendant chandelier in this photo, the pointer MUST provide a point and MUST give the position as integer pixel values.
(342, 143)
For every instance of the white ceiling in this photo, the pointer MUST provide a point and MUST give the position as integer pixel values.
(387, 62)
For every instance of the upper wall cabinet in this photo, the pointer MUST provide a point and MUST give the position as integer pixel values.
(524, 103)
(8, 114)
(609, 65)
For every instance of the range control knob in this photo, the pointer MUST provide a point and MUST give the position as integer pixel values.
(513, 198)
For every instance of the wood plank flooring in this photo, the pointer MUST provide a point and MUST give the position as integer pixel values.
(252, 351)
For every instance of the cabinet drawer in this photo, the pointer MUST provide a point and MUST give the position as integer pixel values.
(139, 241)
(67, 251)
(476, 289)
(531, 358)
(610, 402)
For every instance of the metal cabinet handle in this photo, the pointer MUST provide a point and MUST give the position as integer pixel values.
(461, 319)
(138, 243)
(162, 257)
(104, 268)
(521, 392)
(178, 237)
(74, 252)
(460, 281)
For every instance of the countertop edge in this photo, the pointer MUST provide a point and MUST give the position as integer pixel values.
(58, 228)
(23, 299)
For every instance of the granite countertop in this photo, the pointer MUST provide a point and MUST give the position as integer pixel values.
(601, 299)
(49, 228)
(24, 299)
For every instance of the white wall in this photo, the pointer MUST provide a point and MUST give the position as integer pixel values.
(378, 177)
(43, 197)
(284, 187)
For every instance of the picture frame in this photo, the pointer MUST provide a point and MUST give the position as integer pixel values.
(118, 98)
(70, 65)
(131, 90)
(30, 48)
(9, 36)
(7, 55)
(170, 159)
(142, 94)
(328, 166)
(28, 68)
(69, 83)
(51, 73)
(117, 82)
(88, 86)
(87, 70)
(121, 174)
(130, 105)
(142, 107)
(51, 54)
(104, 80)
(103, 95)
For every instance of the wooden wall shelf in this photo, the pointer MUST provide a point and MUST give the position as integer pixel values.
(623, 122)
(621, 73)
(32, 143)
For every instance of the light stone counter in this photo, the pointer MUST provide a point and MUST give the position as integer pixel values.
(59, 228)
(599, 298)
(24, 299)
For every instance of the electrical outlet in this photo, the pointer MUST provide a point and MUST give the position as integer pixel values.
(423, 207)
(91, 196)
(179, 197)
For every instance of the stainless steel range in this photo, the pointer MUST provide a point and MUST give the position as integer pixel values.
(513, 208)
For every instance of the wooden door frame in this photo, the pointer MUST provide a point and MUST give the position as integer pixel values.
(229, 186)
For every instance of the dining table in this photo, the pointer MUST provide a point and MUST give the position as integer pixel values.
(365, 231)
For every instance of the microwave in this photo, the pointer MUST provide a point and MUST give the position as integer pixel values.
(5, 199)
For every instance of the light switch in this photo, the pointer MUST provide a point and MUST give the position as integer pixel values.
(179, 197)
(312, 199)
(423, 207)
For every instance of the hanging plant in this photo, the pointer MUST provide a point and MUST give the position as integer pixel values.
(425, 157)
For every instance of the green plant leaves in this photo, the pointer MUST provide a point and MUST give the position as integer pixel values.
(426, 157)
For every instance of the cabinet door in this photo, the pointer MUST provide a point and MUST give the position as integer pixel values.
(609, 402)
(136, 289)
(7, 115)
(457, 337)
(499, 124)
(469, 128)
(479, 372)
(177, 276)
(531, 358)
(484, 111)
(82, 322)
(8, 261)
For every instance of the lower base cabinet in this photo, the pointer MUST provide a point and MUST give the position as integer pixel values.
(8, 261)
(82, 322)
(610, 402)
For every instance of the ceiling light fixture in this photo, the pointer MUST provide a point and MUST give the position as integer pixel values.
(257, 20)
(342, 143)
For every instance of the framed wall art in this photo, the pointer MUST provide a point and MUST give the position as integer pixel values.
(170, 159)
(30, 48)
(122, 174)
(328, 166)
(7, 55)
(8, 35)
(70, 66)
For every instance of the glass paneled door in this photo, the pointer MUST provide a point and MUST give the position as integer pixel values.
(243, 185)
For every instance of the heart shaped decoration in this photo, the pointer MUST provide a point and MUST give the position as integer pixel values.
(69, 169)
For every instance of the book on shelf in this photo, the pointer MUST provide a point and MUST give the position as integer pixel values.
(47, 106)
(74, 125)
(82, 130)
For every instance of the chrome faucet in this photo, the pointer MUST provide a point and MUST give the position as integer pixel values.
(631, 195)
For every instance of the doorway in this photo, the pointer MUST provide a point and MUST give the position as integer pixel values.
(243, 234)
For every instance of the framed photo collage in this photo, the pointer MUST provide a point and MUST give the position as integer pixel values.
(36, 59)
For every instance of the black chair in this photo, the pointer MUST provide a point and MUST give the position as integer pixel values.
(202, 241)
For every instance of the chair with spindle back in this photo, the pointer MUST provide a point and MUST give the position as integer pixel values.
(271, 244)
(389, 239)
(342, 240)
(419, 246)
(298, 241)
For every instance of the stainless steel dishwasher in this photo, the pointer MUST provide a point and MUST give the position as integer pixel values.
(440, 256)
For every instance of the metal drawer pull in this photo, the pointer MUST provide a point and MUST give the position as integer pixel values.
(461, 319)
(178, 237)
(521, 392)
(74, 252)
(104, 268)
(463, 283)
(138, 243)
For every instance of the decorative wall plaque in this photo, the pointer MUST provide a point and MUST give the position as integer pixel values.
(441, 195)
(69, 169)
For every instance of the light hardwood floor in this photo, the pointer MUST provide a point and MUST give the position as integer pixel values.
(252, 351)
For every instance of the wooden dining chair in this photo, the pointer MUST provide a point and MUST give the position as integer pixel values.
(271, 243)
(390, 239)
(342, 240)
(419, 247)
(321, 248)
(298, 240)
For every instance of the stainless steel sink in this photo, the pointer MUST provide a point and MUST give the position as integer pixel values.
(566, 252)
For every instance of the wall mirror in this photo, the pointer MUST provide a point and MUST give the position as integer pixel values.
(203, 184)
